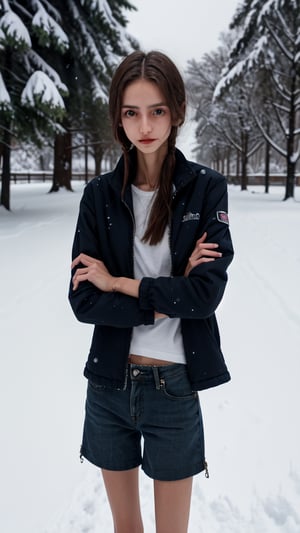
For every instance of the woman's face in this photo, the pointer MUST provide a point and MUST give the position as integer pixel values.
(145, 117)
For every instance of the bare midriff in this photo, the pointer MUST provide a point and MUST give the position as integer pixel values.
(148, 361)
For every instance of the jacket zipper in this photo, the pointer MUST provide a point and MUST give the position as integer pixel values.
(134, 228)
(170, 234)
(132, 271)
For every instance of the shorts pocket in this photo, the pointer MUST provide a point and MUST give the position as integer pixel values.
(96, 386)
(177, 389)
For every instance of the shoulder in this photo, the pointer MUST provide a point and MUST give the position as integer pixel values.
(100, 181)
(110, 180)
(189, 170)
(205, 173)
(95, 193)
(102, 185)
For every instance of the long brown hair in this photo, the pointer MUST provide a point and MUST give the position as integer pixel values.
(159, 69)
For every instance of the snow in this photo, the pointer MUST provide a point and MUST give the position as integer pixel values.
(2, 39)
(39, 84)
(252, 423)
(4, 96)
(13, 27)
(43, 20)
(98, 90)
(38, 62)
(103, 7)
(88, 38)
(295, 156)
(259, 50)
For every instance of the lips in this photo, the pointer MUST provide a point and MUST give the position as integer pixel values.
(146, 141)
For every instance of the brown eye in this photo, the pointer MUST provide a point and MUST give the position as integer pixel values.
(159, 112)
(129, 113)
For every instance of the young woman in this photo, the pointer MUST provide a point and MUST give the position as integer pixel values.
(150, 254)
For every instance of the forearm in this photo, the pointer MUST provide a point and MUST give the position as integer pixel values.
(92, 306)
(130, 287)
(193, 297)
(126, 286)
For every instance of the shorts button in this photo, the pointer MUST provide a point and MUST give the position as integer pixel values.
(135, 372)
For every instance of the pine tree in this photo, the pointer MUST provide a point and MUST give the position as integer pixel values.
(223, 125)
(98, 39)
(31, 103)
(52, 54)
(269, 49)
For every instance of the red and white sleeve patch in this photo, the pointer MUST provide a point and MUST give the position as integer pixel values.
(222, 216)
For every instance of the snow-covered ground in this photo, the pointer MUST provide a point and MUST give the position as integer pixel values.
(252, 423)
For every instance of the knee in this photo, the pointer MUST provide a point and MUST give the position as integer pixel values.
(129, 526)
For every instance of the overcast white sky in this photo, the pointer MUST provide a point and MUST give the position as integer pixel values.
(183, 29)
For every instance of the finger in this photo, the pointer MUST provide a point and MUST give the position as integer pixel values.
(79, 279)
(202, 238)
(80, 259)
(78, 276)
(203, 260)
(207, 253)
(84, 259)
(208, 250)
(204, 245)
(198, 262)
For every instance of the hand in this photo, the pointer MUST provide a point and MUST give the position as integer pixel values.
(204, 252)
(159, 316)
(94, 271)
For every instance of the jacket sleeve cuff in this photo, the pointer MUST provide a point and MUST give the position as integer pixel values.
(144, 295)
(149, 317)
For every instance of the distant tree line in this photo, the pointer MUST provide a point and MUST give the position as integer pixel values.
(56, 61)
(246, 95)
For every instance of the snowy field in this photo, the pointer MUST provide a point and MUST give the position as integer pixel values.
(252, 423)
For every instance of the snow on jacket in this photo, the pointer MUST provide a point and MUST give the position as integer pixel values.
(105, 230)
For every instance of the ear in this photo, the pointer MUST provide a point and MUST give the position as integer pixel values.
(180, 119)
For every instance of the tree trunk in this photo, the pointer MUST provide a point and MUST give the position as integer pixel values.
(98, 156)
(5, 188)
(228, 163)
(267, 167)
(6, 137)
(86, 159)
(291, 164)
(62, 172)
(237, 172)
(223, 165)
(290, 180)
(244, 157)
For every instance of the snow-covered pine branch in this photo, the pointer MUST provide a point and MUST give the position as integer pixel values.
(43, 23)
(260, 51)
(266, 135)
(40, 87)
(37, 62)
(5, 101)
(14, 30)
(98, 90)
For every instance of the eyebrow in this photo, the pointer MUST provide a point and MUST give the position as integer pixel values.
(159, 104)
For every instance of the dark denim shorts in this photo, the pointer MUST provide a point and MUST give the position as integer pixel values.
(155, 422)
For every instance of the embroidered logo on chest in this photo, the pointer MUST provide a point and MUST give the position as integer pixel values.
(190, 216)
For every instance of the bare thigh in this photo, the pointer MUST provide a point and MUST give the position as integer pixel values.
(172, 505)
(122, 488)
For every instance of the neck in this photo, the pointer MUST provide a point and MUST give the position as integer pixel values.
(149, 169)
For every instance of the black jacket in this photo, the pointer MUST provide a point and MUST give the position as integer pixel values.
(105, 230)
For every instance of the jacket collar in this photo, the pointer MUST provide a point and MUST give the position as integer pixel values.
(183, 172)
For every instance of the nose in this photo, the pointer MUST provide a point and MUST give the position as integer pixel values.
(145, 125)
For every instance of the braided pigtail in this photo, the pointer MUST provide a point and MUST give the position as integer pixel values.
(161, 210)
(159, 69)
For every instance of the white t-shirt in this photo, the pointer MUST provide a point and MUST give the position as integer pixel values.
(163, 339)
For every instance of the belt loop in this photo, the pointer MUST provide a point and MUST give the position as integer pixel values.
(156, 377)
